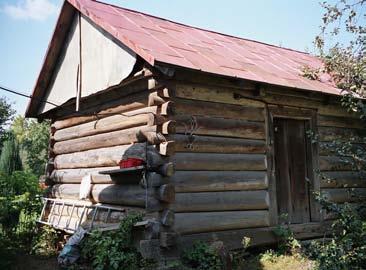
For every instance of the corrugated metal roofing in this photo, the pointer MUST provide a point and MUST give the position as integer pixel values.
(162, 41)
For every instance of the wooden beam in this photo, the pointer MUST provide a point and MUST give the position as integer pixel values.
(221, 201)
(114, 138)
(217, 162)
(188, 223)
(214, 144)
(199, 181)
(217, 110)
(219, 127)
(341, 195)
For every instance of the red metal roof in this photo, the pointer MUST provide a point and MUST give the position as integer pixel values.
(159, 40)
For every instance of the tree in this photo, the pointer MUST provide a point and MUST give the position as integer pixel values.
(6, 113)
(9, 158)
(346, 61)
(33, 138)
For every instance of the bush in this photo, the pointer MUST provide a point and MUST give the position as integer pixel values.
(347, 248)
(20, 205)
(202, 256)
(114, 249)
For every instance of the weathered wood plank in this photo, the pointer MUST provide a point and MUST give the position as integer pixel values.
(218, 110)
(327, 134)
(114, 138)
(213, 144)
(225, 162)
(341, 122)
(216, 94)
(323, 108)
(259, 236)
(74, 176)
(341, 195)
(334, 163)
(342, 179)
(200, 181)
(221, 201)
(219, 127)
(107, 124)
(187, 223)
(102, 157)
(121, 105)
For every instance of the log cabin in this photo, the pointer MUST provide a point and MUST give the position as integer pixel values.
(223, 122)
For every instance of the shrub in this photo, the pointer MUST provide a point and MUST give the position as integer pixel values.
(114, 249)
(202, 256)
(347, 248)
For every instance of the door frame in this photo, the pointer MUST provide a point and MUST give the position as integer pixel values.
(278, 111)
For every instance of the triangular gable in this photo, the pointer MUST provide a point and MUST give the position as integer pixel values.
(89, 61)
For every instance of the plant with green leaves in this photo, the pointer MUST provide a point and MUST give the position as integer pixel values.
(202, 256)
(9, 158)
(114, 249)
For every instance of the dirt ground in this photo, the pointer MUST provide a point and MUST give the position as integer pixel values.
(29, 262)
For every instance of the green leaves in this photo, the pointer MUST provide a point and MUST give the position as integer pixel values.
(113, 250)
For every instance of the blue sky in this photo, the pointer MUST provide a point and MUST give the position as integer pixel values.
(26, 27)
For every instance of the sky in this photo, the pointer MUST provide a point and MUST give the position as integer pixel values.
(26, 27)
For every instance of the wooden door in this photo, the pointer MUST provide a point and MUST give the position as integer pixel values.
(291, 164)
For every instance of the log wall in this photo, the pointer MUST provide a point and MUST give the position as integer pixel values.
(217, 135)
(96, 140)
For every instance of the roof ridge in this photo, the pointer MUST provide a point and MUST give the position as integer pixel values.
(203, 29)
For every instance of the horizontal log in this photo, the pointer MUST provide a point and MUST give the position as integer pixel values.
(199, 181)
(216, 94)
(334, 163)
(332, 148)
(218, 110)
(342, 179)
(322, 107)
(219, 127)
(225, 162)
(66, 191)
(69, 176)
(211, 144)
(107, 124)
(187, 223)
(221, 201)
(327, 134)
(102, 157)
(341, 122)
(114, 138)
(131, 195)
(341, 195)
(232, 239)
(127, 103)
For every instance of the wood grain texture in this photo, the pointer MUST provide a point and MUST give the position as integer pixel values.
(341, 195)
(221, 201)
(199, 181)
(339, 179)
(216, 94)
(217, 162)
(214, 144)
(114, 138)
(220, 127)
(187, 223)
(335, 163)
(214, 109)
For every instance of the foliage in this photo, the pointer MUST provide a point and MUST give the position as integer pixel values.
(9, 158)
(45, 242)
(347, 247)
(288, 243)
(202, 256)
(114, 249)
(33, 138)
(20, 205)
(6, 113)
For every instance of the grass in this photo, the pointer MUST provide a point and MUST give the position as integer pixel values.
(272, 261)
